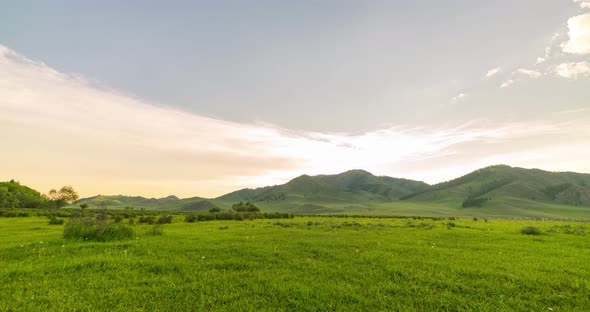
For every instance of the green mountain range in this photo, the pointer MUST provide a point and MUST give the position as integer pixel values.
(496, 191)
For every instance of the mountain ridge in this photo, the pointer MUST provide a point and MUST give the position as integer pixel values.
(494, 190)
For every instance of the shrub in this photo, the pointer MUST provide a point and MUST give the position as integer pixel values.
(214, 209)
(245, 207)
(156, 230)
(55, 221)
(147, 219)
(451, 225)
(530, 230)
(165, 219)
(190, 218)
(81, 227)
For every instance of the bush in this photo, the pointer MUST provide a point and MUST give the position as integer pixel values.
(530, 230)
(190, 218)
(55, 221)
(81, 227)
(147, 219)
(245, 207)
(156, 230)
(165, 219)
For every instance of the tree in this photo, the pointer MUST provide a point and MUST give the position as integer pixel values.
(214, 209)
(64, 196)
(83, 206)
(245, 207)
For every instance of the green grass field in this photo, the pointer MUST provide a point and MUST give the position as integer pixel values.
(300, 264)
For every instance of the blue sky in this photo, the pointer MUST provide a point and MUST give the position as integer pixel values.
(362, 74)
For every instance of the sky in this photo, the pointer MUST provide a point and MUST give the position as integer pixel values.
(200, 98)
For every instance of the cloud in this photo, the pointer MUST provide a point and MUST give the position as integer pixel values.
(493, 72)
(59, 129)
(530, 73)
(585, 4)
(579, 35)
(459, 97)
(573, 70)
(547, 55)
(507, 83)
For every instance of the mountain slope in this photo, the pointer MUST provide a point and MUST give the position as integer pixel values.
(137, 202)
(499, 182)
(313, 193)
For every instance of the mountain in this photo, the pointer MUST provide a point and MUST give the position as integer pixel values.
(171, 203)
(495, 191)
(324, 193)
(15, 195)
(497, 182)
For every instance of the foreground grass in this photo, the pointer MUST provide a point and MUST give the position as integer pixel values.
(300, 264)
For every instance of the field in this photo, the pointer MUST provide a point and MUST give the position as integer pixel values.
(300, 264)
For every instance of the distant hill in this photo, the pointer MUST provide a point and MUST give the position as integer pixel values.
(137, 202)
(496, 191)
(350, 186)
(15, 195)
(501, 182)
(353, 190)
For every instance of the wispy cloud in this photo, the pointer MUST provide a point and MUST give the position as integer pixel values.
(493, 72)
(573, 70)
(459, 97)
(529, 73)
(507, 83)
(547, 55)
(58, 128)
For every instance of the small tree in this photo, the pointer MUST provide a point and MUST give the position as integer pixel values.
(214, 209)
(64, 196)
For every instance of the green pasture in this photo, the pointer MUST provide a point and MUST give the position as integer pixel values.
(300, 264)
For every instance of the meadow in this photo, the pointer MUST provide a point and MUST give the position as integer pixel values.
(300, 264)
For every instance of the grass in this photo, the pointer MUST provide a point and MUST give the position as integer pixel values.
(301, 264)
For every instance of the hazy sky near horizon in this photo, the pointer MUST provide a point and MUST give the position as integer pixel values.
(204, 97)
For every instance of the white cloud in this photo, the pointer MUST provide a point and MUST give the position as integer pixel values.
(529, 72)
(59, 129)
(541, 60)
(459, 97)
(579, 35)
(507, 83)
(585, 4)
(573, 70)
(493, 72)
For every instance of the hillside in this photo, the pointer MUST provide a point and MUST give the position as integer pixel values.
(15, 195)
(137, 202)
(355, 185)
(496, 191)
(484, 186)
(351, 190)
